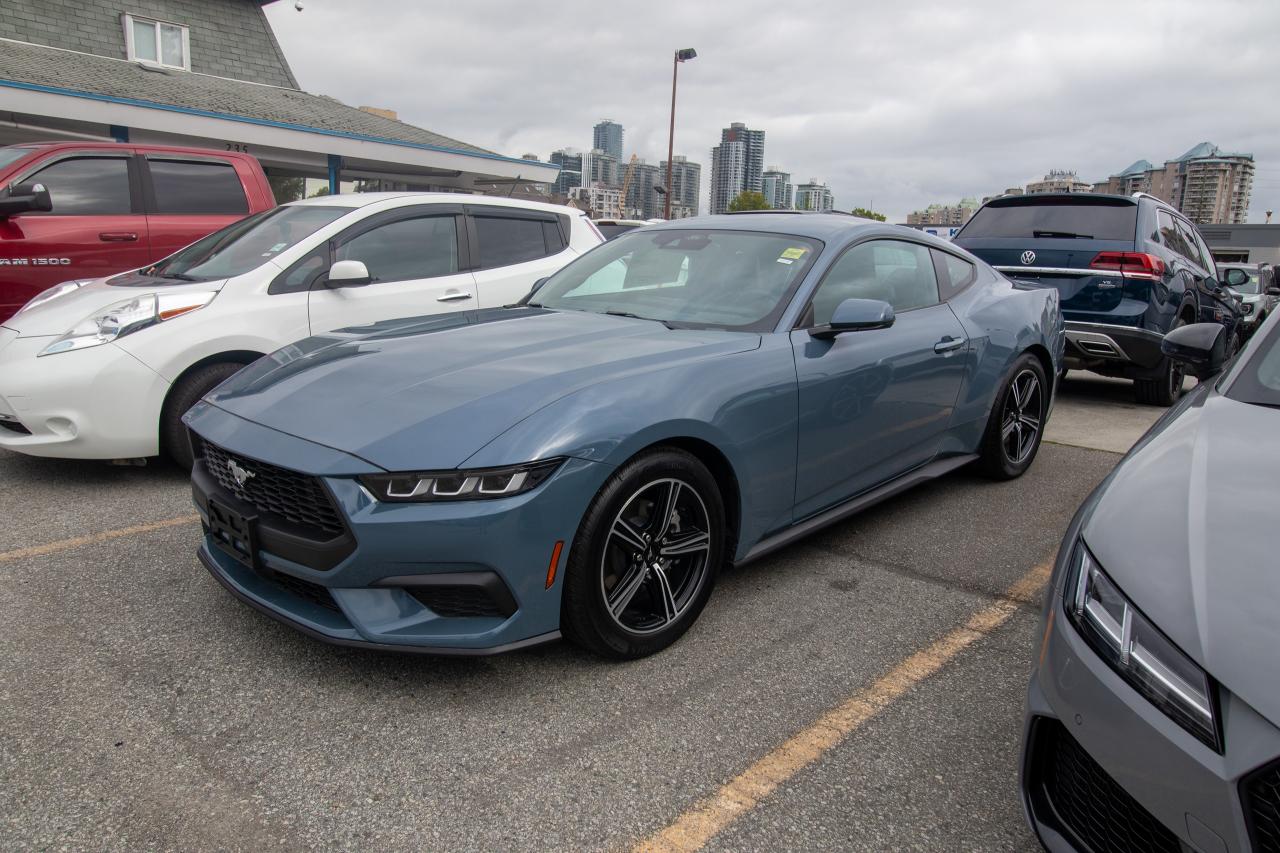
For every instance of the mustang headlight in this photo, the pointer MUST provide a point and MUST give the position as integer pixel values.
(1137, 650)
(127, 317)
(455, 485)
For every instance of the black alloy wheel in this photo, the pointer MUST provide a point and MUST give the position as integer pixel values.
(1015, 428)
(645, 558)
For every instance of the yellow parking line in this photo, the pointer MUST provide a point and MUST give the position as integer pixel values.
(106, 535)
(694, 828)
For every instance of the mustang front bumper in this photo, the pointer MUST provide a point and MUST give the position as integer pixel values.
(463, 577)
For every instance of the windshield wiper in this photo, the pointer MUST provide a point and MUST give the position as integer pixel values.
(177, 276)
(1067, 234)
(638, 317)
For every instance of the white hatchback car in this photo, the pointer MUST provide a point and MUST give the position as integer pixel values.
(105, 369)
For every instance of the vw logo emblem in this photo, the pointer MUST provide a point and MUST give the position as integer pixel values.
(1028, 257)
(241, 475)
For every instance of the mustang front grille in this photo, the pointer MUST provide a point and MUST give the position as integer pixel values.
(286, 494)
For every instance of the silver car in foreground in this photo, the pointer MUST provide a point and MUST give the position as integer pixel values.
(1153, 713)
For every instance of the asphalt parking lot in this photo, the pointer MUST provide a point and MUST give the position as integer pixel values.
(861, 690)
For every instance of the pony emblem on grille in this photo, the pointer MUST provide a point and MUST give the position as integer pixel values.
(241, 475)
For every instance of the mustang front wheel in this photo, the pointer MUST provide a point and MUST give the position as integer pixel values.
(645, 558)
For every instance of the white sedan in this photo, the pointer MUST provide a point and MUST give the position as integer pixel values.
(105, 369)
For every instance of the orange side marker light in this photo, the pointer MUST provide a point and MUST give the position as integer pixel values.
(555, 562)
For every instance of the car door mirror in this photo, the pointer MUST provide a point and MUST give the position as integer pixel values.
(25, 198)
(348, 274)
(1273, 291)
(1235, 278)
(855, 315)
(1202, 347)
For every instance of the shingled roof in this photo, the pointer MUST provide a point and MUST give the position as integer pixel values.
(70, 72)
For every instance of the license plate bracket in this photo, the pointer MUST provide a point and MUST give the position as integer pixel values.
(235, 533)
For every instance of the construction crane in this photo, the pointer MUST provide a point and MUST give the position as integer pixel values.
(626, 184)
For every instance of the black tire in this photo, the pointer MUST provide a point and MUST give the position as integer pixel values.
(1165, 387)
(604, 568)
(184, 394)
(1006, 456)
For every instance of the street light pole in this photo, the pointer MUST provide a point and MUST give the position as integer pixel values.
(680, 56)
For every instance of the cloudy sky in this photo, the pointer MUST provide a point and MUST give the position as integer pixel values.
(894, 104)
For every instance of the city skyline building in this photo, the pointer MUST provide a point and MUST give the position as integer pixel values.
(737, 165)
(814, 195)
(777, 189)
(570, 163)
(945, 214)
(643, 200)
(600, 169)
(686, 186)
(1059, 181)
(607, 136)
(1209, 185)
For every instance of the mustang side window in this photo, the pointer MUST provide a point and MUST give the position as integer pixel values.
(892, 271)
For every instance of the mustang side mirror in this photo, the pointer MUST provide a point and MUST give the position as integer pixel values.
(1202, 347)
(348, 274)
(24, 198)
(855, 315)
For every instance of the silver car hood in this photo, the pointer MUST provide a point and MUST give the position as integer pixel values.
(1189, 529)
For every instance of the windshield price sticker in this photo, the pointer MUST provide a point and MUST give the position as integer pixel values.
(795, 253)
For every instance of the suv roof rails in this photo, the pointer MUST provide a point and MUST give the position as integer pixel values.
(1155, 198)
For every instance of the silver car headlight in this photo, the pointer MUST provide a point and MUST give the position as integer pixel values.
(459, 485)
(1139, 652)
(127, 317)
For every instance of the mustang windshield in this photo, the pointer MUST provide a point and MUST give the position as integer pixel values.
(244, 245)
(686, 278)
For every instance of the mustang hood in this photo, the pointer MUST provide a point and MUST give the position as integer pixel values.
(428, 393)
(1187, 529)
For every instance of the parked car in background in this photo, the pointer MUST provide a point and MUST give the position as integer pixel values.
(82, 210)
(105, 369)
(1256, 286)
(1153, 715)
(611, 228)
(1129, 268)
(695, 393)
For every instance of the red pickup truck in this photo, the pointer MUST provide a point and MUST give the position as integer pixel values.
(79, 210)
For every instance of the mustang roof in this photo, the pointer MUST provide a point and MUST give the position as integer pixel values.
(820, 226)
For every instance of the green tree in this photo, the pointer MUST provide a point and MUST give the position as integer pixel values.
(868, 214)
(749, 200)
(287, 188)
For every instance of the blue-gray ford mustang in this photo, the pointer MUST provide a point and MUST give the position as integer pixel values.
(688, 396)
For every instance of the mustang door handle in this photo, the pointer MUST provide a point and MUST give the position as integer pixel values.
(118, 236)
(453, 296)
(948, 344)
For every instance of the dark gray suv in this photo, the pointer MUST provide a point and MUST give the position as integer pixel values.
(1129, 269)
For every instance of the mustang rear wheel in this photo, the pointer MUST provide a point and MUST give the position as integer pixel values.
(1016, 425)
(645, 558)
